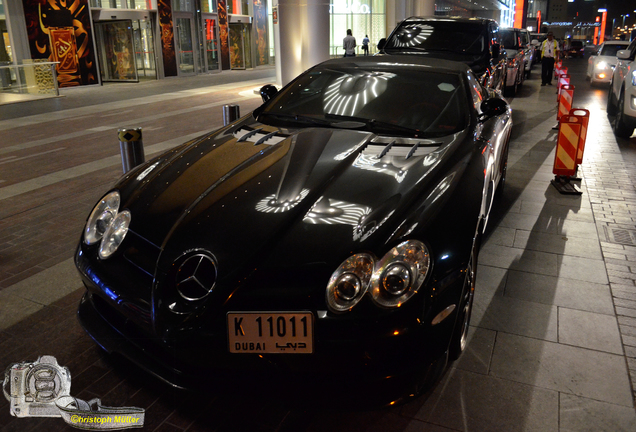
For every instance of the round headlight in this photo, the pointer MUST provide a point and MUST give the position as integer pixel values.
(349, 282)
(115, 234)
(396, 279)
(101, 217)
(400, 274)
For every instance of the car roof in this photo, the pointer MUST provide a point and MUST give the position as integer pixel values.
(436, 65)
(451, 19)
(616, 42)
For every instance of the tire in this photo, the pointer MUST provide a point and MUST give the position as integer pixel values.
(460, 333)
(622, 129)
(611, 105)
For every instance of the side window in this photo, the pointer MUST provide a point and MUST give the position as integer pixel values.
(632, 47)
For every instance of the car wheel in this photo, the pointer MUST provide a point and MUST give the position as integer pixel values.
(611, 105)
(460, 334)
(621, 128)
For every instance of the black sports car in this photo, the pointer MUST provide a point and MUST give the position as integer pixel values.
(330, 235)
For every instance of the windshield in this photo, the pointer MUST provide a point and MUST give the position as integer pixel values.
(395, 101)
(611, 50)
(509, 39)
(462, 38)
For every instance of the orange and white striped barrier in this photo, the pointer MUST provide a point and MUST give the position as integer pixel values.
(566, 153)
(564, 79)
(584, 116)
(566, 94)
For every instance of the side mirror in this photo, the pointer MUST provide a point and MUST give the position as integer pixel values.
(492, 107)
(623, 54)
(381, 43)
(268, 91)
(496, 50)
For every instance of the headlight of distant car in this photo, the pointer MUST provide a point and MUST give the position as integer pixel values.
(601, 65)
(391, 282)
(115, 234)
(101, 217)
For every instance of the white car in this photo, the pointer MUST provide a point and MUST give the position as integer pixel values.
(601, 65)
(621, 98)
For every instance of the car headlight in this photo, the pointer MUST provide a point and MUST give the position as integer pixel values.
(114, 234)
(349, 282)
(634, 78)
(400, 274)
(101, 217)
(601, 65)
(391, 281)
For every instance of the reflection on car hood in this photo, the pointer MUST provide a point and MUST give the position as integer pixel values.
(246, 188)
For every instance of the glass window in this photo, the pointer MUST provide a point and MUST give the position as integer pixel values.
(183, 5)
(208, 6)
(439, 36)
(611, 50)
(431, 103)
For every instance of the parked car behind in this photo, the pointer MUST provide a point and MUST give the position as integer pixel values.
(473, 41)
(621, 98)
(602, 62)
(528, 48)
(322, 231)
(575, 49)
(516, 67)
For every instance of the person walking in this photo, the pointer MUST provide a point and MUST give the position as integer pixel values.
(365, 45)
(549, 53)
(349, 45)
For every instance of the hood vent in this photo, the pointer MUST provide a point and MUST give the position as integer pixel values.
(258, 136)
(406, 148)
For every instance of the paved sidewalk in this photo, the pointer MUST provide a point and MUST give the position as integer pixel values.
(553, 336)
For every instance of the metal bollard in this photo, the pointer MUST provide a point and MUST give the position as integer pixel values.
(131, 147)
(230, 113)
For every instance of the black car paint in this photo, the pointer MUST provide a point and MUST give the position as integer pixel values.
(185, 201)
(489, 65)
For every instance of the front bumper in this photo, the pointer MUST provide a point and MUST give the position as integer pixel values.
(374, 358)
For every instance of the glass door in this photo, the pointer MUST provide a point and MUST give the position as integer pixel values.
(210, 38)
(184, 45)
(144, 48)
(115, 50)
(240, 49)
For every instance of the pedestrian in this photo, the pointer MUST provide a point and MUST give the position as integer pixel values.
(365, 44)
(349, 45)
(549, 53)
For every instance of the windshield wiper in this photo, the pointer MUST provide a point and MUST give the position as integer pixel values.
(373, 124)
(297, 118)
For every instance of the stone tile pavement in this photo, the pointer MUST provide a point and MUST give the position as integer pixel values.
(553, 335)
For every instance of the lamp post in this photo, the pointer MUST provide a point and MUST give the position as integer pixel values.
(624, 16)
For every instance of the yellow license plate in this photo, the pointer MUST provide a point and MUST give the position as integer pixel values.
(270, 332)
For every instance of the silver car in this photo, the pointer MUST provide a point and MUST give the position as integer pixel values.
(511, 39)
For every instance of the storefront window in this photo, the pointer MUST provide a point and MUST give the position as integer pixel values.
(183, 5)
(208, 6)
(363, 17)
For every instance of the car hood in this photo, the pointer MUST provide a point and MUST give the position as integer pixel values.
(252, 189)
